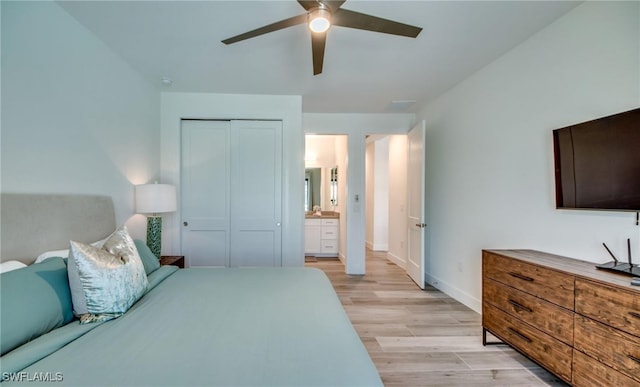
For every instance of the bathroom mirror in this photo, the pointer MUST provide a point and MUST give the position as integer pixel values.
(312, 188)
(321, 188)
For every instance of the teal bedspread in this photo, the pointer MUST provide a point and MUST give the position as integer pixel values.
(243, 326)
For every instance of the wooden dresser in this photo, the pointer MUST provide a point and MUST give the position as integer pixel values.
(578, 322)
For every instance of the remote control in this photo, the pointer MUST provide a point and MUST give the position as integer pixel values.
(635, 281)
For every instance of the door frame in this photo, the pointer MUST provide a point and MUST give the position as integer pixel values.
(177, 106)
(356, 127)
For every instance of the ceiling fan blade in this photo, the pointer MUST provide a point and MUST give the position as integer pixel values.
(361, 21)
(292, 21)
(308, 4)
(317, 47)
(332, 4)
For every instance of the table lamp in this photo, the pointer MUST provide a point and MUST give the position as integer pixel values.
(154, 199)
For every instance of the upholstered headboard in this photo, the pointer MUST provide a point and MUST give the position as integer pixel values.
(34, 223)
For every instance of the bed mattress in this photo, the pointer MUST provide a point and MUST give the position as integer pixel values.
(227, 326)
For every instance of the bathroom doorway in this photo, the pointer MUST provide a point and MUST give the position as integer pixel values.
(325, 191)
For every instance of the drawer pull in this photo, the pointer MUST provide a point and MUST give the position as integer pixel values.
(520, 335)
(519, 306)
(637, 360)
(634, 314)
(520, 276)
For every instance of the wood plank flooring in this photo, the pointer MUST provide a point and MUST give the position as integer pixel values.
(424, 338)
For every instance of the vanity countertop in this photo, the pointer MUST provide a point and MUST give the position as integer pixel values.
(325, 215)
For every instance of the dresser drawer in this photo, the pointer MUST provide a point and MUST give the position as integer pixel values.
(611, 346)
(613, 306)
(313, 222)
(330, 222)
(329, 232)
(329, 246)
(549, 318)
(592, 373)
(549, 352)
(551, 285)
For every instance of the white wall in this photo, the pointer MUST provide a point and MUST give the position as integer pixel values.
(320, 151)
(381, 196)
(175, 106)
(369, 188)
(341, 161)
(489, 146)
(398, 230)
(75, 117)
(356, 127)
(377, 193)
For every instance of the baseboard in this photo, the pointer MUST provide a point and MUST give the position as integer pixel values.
(455, 293)
(368, 245)
(380, 247)
(397, 260)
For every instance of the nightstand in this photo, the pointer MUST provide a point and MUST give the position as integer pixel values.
(175, 260)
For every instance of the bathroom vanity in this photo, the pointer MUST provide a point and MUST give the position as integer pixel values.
(321, 234)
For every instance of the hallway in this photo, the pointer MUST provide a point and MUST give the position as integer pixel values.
(424, 338)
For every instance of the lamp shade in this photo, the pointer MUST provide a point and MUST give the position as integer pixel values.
(155, 198)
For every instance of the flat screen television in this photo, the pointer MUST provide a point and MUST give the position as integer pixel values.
(597, 163)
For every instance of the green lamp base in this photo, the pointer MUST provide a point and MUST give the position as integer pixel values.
(154, 234)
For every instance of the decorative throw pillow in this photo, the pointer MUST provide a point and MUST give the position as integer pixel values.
(35, 300)
(150, 261)
(105, 282)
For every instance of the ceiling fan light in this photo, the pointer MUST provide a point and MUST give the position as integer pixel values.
(319, 20)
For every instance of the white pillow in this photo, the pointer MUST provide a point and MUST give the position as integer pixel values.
(105, 282)
(11, 265)
(51, 254)
(64, 253)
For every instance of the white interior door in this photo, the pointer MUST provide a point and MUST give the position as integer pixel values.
(416, 204)
(256, 193)
(231, 193)
(205, 192)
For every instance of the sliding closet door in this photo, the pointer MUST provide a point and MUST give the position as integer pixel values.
(231, 193)
(205, 192)
(256, 193)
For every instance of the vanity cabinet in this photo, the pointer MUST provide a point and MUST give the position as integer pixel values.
(321, 237)
(312, 236)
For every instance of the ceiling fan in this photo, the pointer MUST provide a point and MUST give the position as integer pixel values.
(320, 16)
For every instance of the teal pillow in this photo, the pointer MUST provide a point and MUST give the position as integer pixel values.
(150, 261)
(35, 300)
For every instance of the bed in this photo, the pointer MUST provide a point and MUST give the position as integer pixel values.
(232, 326)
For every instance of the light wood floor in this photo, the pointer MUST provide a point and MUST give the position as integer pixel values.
(424, 338)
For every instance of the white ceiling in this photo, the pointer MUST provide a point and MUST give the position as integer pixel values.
(363, 71)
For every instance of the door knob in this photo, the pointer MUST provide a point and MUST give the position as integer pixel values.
(185, 224)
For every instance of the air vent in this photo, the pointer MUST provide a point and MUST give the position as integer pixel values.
(401, 105)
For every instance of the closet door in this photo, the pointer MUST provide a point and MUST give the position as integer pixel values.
(205, 192)
(231, 193)
(256, 193)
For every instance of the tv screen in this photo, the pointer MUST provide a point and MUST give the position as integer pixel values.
(597, 163)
